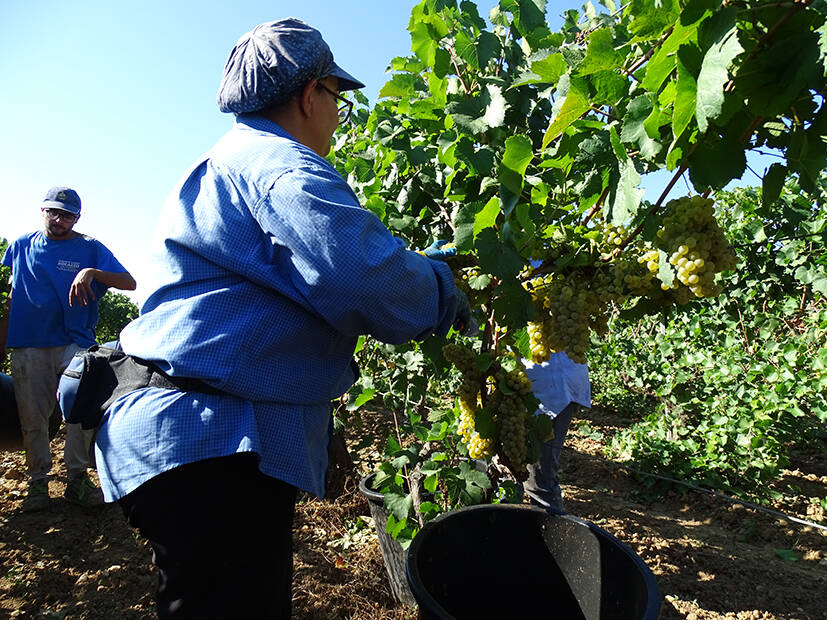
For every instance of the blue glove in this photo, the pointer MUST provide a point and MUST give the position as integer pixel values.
(464, 323)
(440, 250)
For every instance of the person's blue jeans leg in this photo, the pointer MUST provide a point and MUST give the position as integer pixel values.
(543, 485)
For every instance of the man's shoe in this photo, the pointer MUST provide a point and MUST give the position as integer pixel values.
(37, 497)
(83, 492)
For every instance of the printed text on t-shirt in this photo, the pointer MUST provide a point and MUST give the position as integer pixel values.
(68, 265)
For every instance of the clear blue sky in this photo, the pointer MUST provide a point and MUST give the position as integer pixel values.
(117, 99)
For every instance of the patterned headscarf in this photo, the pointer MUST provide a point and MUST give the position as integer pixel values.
(271, 61)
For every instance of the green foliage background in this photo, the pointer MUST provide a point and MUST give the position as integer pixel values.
(728, 387)
(115, 311)
(511, 139)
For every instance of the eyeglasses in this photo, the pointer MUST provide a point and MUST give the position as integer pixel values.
(60, 214)
(345, 109)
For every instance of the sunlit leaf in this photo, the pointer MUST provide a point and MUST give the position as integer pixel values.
(715, 68)
(575, 105)
(518, 154)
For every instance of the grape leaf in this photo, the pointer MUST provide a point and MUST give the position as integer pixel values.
(400, 63)
(715, 67)
(575, 105)
(432, 348)
(484, 423)
(487, 216)
(634, 130)
(479, 160)
(651, 17)
(773, 79)
(376, 205)
(808, 151)
(467, 49)
(662, 64)
(543, 426)
(422, 43)
(716, 161)
(442, 62)
(479, 282)
(686, 96)
(665, 273)
(600, 53)
(528, 14)
(464, 223)
(402, 85)
(471, 13)
(495, 109)
(546, 68)
(488, 47)
(364, 397)
(625, 195)
(523, 343)
(609, 87)
(817, 278)
(518, 154)
(481, 112)
(772, 184)
(398, 505)
(513, 305)
(496, 258)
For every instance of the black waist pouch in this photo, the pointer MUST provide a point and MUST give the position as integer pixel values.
(98, 376)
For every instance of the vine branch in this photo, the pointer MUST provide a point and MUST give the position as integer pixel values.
(743, 327)
(681, 169)
(645, 58)
(596, 207)
(453, 54)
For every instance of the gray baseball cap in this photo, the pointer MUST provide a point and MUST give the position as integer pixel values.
(271, 61)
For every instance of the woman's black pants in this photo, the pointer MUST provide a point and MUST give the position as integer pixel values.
(221, 535)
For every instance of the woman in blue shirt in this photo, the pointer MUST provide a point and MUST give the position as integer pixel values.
(265, 272)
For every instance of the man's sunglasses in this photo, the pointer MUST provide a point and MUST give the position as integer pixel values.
(346, 109)
(60, 214)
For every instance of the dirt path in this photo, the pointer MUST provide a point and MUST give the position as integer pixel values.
(712, 558)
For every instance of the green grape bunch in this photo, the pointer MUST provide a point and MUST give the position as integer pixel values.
(567, 308)
(469, 401)
(696, 245)
(572, 300)
(505, 393)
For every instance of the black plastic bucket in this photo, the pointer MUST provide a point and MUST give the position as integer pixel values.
(392, 552)
(11, 438)
(507, 561)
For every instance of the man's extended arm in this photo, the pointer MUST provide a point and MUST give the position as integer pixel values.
(81, 289)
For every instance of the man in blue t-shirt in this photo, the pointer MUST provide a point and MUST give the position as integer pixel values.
(58, 275)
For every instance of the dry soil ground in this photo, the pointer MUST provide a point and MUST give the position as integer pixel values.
(712, 558)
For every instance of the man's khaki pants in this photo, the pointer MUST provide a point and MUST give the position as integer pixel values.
(36, 372)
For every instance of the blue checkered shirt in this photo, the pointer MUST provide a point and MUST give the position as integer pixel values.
(265, 272)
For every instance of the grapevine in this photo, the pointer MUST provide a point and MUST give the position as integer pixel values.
(525, 148)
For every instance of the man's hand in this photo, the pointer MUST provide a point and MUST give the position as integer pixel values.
(440, 250)
(81, 289)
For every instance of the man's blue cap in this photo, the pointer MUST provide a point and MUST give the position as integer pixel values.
(269, 63)
(63, 198)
